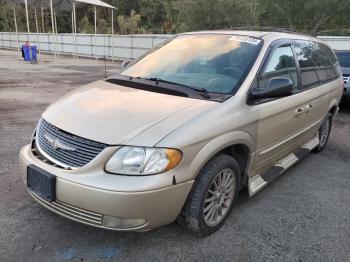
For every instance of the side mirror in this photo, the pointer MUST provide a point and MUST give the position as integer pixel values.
(276, 87)
(125, 63)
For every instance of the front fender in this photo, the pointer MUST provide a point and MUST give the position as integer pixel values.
(217, 144)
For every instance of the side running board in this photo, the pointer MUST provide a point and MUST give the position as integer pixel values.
(259, 181)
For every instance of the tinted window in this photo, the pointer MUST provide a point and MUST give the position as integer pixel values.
(280, 64)
(318, 63)
(310, 71)
(344, 58)
(329, 62)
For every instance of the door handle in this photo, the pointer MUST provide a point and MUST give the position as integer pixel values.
(299, 111)
(308, 108)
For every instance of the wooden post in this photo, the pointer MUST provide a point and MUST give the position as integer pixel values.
(16, 28)
(75, 31)
(42, 20)
(26, 7)
(52, 26)
(112, 34)
(37, 28)
(95, 32)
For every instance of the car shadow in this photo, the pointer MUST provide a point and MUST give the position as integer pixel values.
(344, 105)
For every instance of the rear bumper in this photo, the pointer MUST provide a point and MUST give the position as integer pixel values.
(106, 208)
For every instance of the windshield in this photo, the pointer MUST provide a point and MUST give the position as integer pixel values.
(344, 58)
(214, 62)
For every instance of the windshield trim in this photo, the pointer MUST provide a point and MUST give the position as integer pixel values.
(163, 88)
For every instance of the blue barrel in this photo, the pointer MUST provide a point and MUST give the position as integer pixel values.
(26, 53)
(33, 52)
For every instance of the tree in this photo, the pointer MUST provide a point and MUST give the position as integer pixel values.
(175, 16)
(129, 25)
(4, 23)
(159, 16)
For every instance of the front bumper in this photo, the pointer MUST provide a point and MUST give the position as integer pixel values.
(92, 197)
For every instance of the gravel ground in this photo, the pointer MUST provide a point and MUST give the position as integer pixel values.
(302, 216)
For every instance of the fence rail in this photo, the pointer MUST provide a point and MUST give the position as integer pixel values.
(86, 45)
(108, 46)
(337, 42)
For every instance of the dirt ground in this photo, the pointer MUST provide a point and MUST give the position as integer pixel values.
(302, 216)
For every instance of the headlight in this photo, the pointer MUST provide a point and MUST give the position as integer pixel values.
(129, 160)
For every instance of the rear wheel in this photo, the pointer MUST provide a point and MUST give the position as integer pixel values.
(211, 198)
(324, 132)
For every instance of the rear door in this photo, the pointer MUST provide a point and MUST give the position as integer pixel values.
(317, 65)
(277, 121)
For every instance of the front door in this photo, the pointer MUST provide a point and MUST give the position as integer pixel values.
(277, 126)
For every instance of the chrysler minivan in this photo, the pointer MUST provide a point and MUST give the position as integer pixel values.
(182, 129)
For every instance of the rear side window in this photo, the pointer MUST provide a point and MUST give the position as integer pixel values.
(318, 63)
(327, 61)
(306, 52)
(280, 64)
(332, 65)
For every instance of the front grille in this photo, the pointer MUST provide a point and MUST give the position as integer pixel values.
(346, 78)
(65, 149)
(71, 212)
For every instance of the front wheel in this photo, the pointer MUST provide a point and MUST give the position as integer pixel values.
(211, 199)
(324, 132)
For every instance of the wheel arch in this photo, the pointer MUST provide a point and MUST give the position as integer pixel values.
(237, 144)
(241, 153)
(333, 107)
(333, 110)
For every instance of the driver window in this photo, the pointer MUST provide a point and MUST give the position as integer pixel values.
(281, 64)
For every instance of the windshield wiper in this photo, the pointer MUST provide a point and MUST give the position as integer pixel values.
(204, 92)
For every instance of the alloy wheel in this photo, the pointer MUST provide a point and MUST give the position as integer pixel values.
(324, 131)
(219, 197)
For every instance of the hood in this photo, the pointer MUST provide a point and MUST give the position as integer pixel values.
(114, 114)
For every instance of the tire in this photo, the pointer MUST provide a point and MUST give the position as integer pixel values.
(324, 132)
(204, 196)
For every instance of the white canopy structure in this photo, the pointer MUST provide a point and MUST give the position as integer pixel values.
(68, 4)
(59, 5)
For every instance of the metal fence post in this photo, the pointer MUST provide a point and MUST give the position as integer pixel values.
(132, 47)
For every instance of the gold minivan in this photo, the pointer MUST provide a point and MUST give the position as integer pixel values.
(183, 129)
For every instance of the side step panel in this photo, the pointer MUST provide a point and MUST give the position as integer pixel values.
(259, 181)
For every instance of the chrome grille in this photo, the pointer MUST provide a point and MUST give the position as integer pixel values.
(65, 149)
(346, 78)
(71, 212)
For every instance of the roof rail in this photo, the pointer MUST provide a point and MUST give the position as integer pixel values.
(264, 28)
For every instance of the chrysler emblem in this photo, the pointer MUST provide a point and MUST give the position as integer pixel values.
(56, 144)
